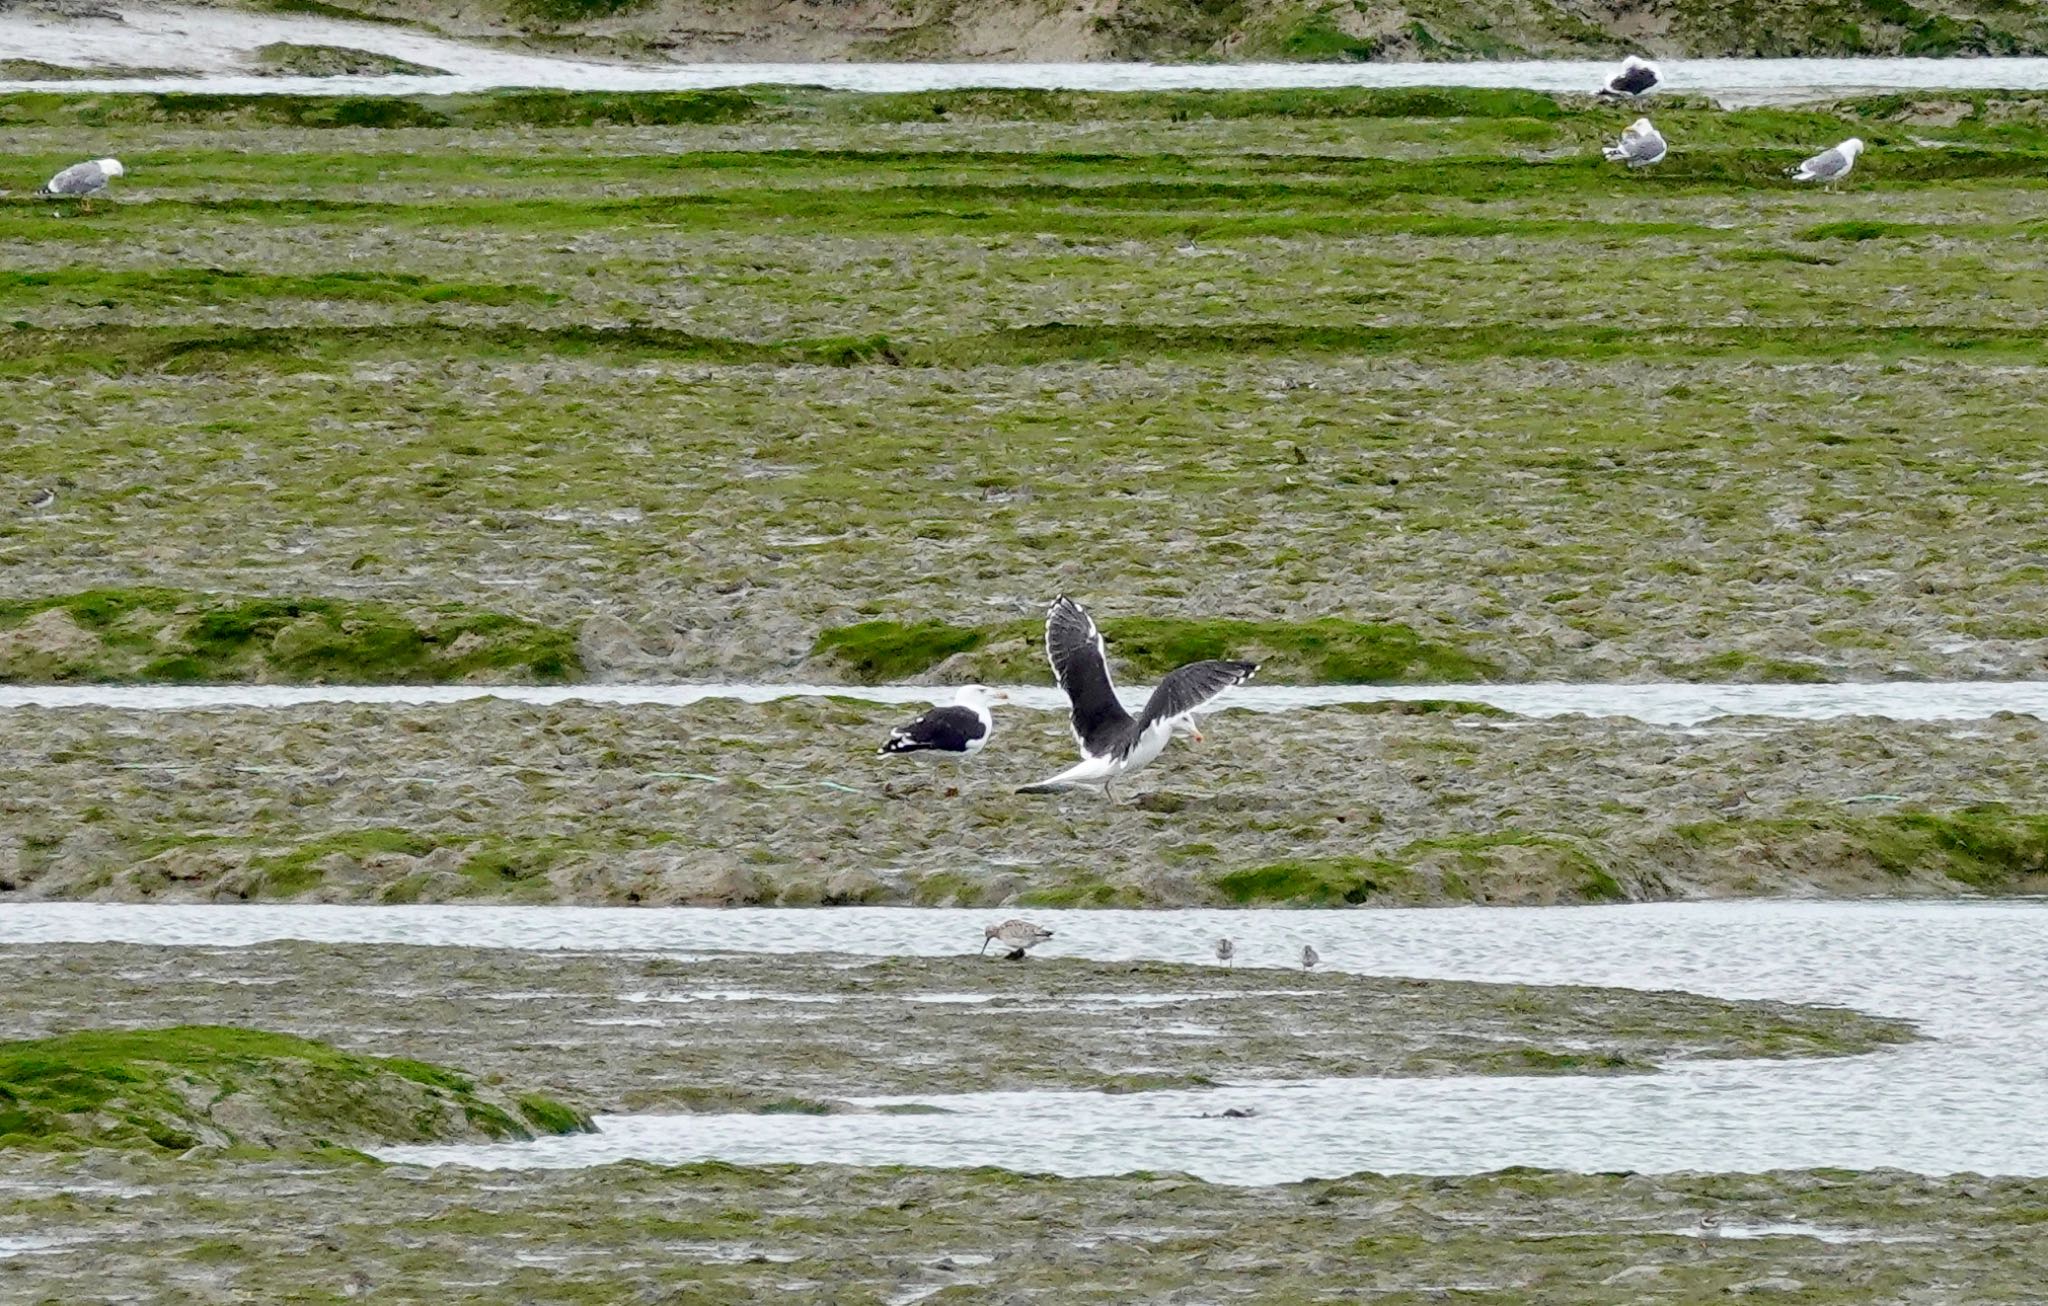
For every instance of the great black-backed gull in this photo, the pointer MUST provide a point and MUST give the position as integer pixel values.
(82, 181)
(1829, 166)
(1113, 743)
(958, 730)
(1634, 79)
(1018, 937)
(1640, 146)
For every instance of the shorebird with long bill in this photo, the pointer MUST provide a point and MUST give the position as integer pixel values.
(1113, 742)
(1017, 937)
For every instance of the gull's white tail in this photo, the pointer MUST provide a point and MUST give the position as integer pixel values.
(1094, 770)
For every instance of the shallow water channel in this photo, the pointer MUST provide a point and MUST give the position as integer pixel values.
(1971, 973)
(1662, 703)
(214, 47)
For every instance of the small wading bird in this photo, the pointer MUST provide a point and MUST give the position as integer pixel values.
(1225, 950)
(1113, 742)
(43, 498)
(1829, 166)
(82, 181)
(1710, 1225)
(1639, 147)
(1309, 956)
(958, 731)
(1633, 80)
(1017, 937)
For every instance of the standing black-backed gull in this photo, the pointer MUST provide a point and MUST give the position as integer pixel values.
(82, 181)
(1829, 166)
(1017, 937)
(1640, 146)
(1634, 79)
(958, 730)
(1113, 742)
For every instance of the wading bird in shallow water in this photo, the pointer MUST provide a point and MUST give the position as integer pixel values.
(1018, 937)
(1225, 950)
(1309, 956)
(1113, 742)
(82, 181)
(959, 730)
(1829, 166)
(1639, 147)
(1633, 80)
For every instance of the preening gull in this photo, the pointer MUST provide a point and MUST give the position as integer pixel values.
(1113, 743)
(1829, 166)
(1640, 145)
(1636, 77)
(959, 730)
(43, 498)
(1017, 938)
(82, 181)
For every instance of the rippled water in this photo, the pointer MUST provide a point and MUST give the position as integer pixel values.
(1658, 704)
(1974, 974)
(216, 44)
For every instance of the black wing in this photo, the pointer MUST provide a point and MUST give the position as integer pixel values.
(1081, 664)
(1633, 80)
(943, 729)
(1191, 686)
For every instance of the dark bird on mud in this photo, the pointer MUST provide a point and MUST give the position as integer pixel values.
(1017, 937)
(82, 181)
(1829, 166)
(1113, 742)
(1634, 79)
(1309, 956)
(1225, 950)
(1640, 146)
(959, 730)
(43, 498)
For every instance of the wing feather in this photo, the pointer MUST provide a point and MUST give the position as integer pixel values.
(1080, 662)
(1188, 688)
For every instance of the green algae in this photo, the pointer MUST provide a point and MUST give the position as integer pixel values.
(288, 59)
(165, 1089)
(1325, 650)
(162, 635)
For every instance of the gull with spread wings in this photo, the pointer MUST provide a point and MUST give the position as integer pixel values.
(1113, 742)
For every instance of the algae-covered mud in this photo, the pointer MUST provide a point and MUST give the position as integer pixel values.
(177, 1089)
(720, 380)
(638, 1033)
(786, 803)
(118, 1228)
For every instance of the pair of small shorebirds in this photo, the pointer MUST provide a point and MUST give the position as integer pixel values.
(1113, 742)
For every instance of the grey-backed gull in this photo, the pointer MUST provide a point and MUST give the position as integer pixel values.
(1829, 166)
(43, 498)
(1113, 742)
(958, 730)
(1635, 78)
(1018, 937)
(82, 181)
(1640, 146)
(1309, 956)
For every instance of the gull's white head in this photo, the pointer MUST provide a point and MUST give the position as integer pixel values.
(979, 697)
(1187, 725)
(1851, 147)
(1641, 127)
(112, 167)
